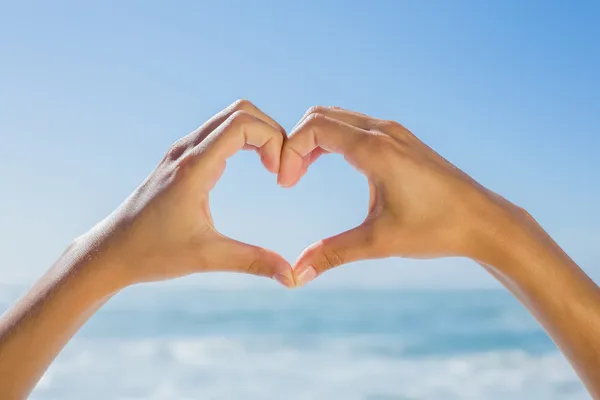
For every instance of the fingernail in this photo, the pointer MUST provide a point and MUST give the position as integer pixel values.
(279, 180)
(305, 275)
(282, 183)
(284, 280)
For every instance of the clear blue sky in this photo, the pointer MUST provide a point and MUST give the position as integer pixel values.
(92, 95)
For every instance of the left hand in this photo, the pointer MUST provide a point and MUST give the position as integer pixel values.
(165, 230)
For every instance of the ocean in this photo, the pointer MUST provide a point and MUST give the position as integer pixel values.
(190, 343)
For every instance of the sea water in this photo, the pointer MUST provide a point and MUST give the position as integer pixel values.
(190, 343)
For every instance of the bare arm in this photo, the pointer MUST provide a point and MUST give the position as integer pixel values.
(42, 322)
(422, 206)
(554, 289)
(164, 230)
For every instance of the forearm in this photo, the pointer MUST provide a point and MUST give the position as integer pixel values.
(35, 330)
(555, 290)
(422, 206)
(164, 230)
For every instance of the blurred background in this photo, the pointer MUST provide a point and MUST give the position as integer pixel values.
(92, 94)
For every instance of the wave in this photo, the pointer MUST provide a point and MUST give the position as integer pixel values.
(270, 367)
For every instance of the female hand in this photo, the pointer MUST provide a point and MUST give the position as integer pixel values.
(421, 206)
(165, 229)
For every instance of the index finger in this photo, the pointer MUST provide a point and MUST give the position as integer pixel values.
(354, 118)
(332, 135)
(213, 123)
(239, 130)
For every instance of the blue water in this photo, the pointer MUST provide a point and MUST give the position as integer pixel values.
(189, 343)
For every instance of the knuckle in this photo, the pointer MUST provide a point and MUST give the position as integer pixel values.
(391, 124)
(240, 117)
(385, 142)
(182, 167)
(242, 104)
(384, 146)
(332, 259)
(176, 150)
(253, 268)
(524, 214)
(278, 137)
(314, 119)
(394, 128)
(316, 110)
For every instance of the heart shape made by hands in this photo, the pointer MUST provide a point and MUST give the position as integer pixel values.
(420, 205)
(332, 198)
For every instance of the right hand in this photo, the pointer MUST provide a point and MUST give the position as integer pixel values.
(421, 206)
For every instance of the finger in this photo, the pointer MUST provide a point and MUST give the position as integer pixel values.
(239, 131)
(235, 256)
(201, 133)
(308, 160)
(347, 247)
(239, 105)
(354, 118)
(331, 135)
(265, 158)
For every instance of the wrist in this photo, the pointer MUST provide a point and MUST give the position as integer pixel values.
(515, 245)
(91, 258)
(501, 232)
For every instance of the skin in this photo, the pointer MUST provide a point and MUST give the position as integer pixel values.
(421, 206)
(163, 230)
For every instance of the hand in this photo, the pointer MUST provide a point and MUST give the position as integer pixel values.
(421, 206)
(165, 229)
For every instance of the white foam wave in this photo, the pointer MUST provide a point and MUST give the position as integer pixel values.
(267, 368)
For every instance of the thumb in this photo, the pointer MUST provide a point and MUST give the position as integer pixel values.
(235, 256)
(347, 247)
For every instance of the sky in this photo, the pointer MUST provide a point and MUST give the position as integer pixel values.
(92, 94)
